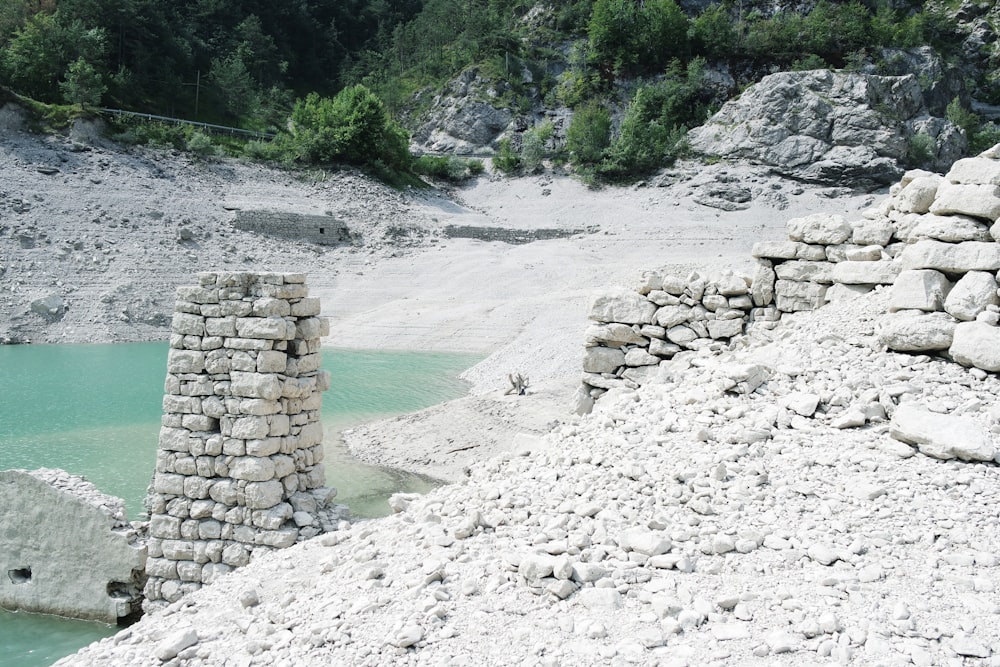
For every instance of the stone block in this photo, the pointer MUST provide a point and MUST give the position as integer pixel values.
(185, 361)
(952, 257)
(971, 295)
(252, 468)
(262, 495)
(919, 289)
(725, 328)
(948, 228)
(308, 328)
(187, 324)
(210, 572)
(268, 328)
(792, 296)
(872, 232)
(178, 549)
(941, 436)
(165, 527)
(866, 273)
(255, 385)
(249, 427)
(279, 539)
(918, 195)
(181, 404)
(271, 361)
(975, 171)
(603, 359)
(775, 250)
(979, 201)
(640, 357)
(621, 305)
(868, 253)
(263, 447)
(272, 518)
(819, 228)
(308, 307)
(804, 270)
(670, 316)
(681, 335)
(916, 331)
(613, 335)
(977, 344)
(269, 306)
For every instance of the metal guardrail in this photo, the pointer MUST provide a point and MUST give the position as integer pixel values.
(214, 129)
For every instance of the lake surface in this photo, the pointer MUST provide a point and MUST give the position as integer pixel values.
(94, 410)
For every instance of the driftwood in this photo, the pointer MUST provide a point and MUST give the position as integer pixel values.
(518, 385)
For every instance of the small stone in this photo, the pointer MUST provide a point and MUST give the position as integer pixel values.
(176, 642)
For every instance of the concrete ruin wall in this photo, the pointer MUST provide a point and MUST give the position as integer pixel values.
(66, 548)
(318, 229)
(935, 240)
(238, 469)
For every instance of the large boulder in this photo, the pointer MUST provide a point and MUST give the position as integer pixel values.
(916, 331)
(827, 127)
(977, 344)
(941, 436)
(971, 295)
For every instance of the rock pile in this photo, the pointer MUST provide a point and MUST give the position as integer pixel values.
(238, 469)
(682, 523)
(636, 330)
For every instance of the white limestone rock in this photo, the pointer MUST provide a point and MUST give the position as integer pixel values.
(793, 296)
(176, 642)
(948, 228)
(918, 195)
(804, 270)
(868, 253)
(866, 273)
(975, 171)
(872, 232)
(762, 286)
(952, 257)
(621, 305)
(916, 331)
(614, 335)
(640, 357)
(971, 295)
(941, 436)
(977, 344)
(821, 228)
(602, 359)
(978, 201)
(919, 289)
(840, 292)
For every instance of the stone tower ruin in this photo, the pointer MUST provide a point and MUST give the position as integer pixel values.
(239, 465)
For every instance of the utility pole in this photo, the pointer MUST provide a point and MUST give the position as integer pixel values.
(197, 91)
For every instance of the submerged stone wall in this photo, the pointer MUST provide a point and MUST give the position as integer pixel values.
(66, 548)
(239, 467)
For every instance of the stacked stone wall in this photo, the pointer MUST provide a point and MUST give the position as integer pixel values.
(239, 466)
(935, 240)
(636, 329)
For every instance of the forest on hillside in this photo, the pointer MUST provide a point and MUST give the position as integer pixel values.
(246, 62)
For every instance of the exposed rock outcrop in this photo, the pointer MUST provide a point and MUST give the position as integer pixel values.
(846, 128)
(461, 120)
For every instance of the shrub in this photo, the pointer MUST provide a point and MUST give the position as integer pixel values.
(447, 168)
(352, 127)
(921, 150)
(589, 134)
(533, 146)
(83, 84)
(199, 143)
(506, 160)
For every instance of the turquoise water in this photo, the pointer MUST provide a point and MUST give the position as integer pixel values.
(94, 410)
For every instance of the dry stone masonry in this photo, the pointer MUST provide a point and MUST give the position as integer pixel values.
(239, 467)
(935, 240)
(635, 330)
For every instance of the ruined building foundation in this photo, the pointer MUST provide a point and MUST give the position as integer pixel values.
(239, 466)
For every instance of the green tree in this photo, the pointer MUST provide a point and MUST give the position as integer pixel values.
(352, 127)
(234, 85)
(83, 84)
(713, 34)
(40, 54)
(589, 134)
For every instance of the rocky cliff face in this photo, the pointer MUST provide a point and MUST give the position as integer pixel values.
(846, 128)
